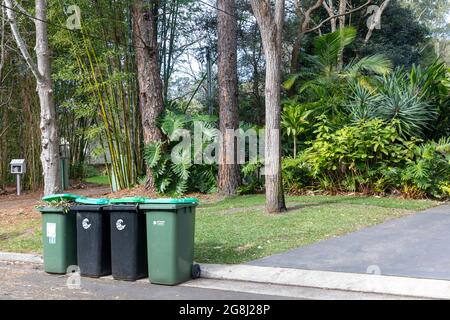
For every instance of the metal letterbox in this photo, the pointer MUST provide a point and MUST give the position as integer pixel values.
(18, 166)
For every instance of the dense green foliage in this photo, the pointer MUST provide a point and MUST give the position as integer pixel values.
(170, 160)
(376, 124)
(366, 128)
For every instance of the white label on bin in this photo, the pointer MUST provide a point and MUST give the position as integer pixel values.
(159, 223)
(51, 232)
(119, 225)
(86, 225)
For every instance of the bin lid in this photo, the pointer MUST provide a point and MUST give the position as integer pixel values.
(61, 197)
(127, 200)
(171, 201)
(92, 201)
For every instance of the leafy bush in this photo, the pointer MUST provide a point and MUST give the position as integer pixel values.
(295, 175)
(181, 176)
(370, 157)
(399, 100)
(415, 99)
(351, 158)
(429, 172)
(252, 179)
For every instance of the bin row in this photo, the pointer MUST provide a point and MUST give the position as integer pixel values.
(130, 238)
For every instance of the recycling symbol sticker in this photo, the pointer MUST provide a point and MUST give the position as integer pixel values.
(85, 223)
(119, 225)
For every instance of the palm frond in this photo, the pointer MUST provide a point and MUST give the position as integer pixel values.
(376, 63)
(328, 46)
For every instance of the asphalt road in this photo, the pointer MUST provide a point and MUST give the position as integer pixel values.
(416, 246)
(19, 281)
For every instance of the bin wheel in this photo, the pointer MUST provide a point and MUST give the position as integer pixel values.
(196, 271)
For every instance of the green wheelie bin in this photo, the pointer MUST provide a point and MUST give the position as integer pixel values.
(59, 234)
(170, 240)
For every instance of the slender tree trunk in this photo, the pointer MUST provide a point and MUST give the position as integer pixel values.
(256, 84)
(295, 55)
(342, 9)
(329, 7)
(295, 147)
(150, 84)
(304, 21)
(271, 28)
(376, 20)
(50, 158)
(229, 175)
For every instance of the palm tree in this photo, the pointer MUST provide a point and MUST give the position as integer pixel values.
(325, 87)
(294, 122)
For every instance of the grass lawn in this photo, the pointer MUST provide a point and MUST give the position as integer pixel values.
(238, 230)
(103, 180)
(22, 235)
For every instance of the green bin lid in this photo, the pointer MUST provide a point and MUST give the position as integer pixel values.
(92, 201)
(127, 200)
(61, 197)
(171, 201)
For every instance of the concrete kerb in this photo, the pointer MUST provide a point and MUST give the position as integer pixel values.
(396, 286)
(411, 287)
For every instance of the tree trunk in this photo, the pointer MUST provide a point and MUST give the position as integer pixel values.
(229, 175)
(329, 7)
(50, 156)
(150, 84)
(295, 147)
(271, 28)
(342, 9)
(376, 20)
(304, 21)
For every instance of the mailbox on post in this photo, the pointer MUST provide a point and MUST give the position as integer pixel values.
(18, 167)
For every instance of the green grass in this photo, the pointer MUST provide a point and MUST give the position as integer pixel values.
(238, 230)
(104, 180)
(22, 237)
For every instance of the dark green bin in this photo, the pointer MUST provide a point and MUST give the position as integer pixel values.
(170, 240)
(59, 235)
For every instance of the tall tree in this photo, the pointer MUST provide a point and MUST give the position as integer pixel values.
(229, 175)
(270, 23)
(145, 22)
(41, 70)
(342, 10)
(305, 15)
(376, 19)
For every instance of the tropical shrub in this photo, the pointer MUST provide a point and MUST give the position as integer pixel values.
(429, 172)
(294, 122)
(419, 100)
(351, 158)
(252, 179)
(433, 84)
(400, 100)
(296, 177)
(181, 176)
(370, 157)
(324, 89)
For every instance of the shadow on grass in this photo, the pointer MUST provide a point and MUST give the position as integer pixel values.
(10, 235)
(220, 253)
(297, 205)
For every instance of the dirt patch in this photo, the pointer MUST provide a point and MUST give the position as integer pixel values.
(32, 199)
(140, 191)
